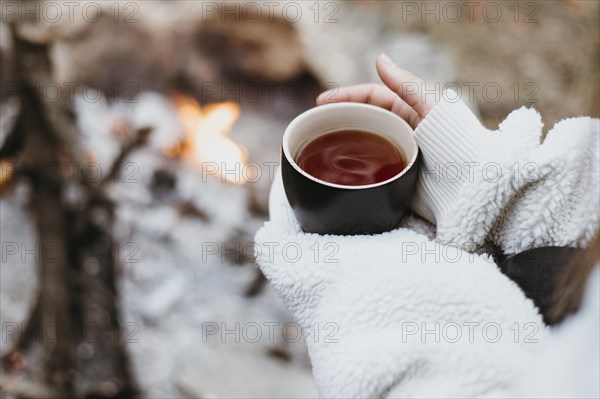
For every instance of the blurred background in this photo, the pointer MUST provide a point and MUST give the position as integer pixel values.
(138, 141)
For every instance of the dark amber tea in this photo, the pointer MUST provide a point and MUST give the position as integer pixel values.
(351, 158)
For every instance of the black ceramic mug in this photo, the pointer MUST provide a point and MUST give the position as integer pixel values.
(328, 208)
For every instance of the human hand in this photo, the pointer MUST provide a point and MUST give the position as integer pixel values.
(402, 93)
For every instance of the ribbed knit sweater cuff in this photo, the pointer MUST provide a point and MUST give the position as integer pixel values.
(451, 140)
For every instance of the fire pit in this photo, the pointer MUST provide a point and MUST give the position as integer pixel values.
(165, 137)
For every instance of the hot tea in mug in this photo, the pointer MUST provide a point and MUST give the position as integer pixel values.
(349, 168)
(351, 157)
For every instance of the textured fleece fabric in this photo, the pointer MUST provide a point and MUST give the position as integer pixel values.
(504, 187)
(402, 314)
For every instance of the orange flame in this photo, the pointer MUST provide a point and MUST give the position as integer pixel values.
(206, 137)
(6, 173)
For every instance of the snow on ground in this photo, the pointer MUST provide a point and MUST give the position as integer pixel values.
(185, 254)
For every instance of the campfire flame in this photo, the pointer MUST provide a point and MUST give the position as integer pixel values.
(6, 173)
(207, 139)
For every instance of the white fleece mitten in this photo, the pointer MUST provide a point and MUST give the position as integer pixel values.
(397, 314)
(503, 187)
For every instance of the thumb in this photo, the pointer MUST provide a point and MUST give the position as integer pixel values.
(408, 86)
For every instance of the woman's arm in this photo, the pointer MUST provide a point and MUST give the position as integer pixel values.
(502, 190)
(397, 314)
(506, 188)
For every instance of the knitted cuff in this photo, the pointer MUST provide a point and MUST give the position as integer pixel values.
(468, 175)
(452, 141)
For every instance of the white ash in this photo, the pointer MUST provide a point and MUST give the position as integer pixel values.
(107, 125)
(18, 278)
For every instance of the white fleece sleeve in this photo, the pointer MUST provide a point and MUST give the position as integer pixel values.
(396, 314)
(505, 187)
